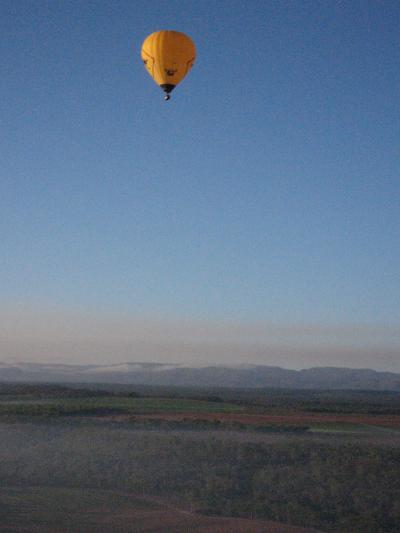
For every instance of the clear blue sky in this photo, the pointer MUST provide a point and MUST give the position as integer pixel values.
(266, 189)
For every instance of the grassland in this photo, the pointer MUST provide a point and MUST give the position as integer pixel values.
(120, 459)
(49, 509)
(209, 411)
(107, 405)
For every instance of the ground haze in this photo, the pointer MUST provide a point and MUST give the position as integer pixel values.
(119, 458)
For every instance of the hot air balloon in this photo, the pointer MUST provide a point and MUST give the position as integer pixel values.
(168, 56)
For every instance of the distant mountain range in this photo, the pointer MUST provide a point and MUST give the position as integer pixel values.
(246, 376)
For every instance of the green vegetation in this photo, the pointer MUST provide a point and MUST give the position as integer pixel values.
(339, 477)
(111, 405)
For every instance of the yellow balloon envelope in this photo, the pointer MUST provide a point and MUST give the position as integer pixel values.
(168, 56)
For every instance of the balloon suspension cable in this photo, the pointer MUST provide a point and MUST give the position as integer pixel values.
(167, 97)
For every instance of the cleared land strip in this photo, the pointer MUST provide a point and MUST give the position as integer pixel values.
(392, 421)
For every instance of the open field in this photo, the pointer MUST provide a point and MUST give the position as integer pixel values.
(258, 412)
(92, 460)
(114, 404)
(293, 420)
(66, 510)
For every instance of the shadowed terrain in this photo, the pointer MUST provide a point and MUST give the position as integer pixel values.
(49, 509)
(179, 460)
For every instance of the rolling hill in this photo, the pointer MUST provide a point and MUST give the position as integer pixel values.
(244, 376)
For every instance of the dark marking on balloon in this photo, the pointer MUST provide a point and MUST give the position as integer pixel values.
(150, 67)
(170, 71)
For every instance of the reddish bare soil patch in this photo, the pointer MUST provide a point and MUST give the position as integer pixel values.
(289, 419)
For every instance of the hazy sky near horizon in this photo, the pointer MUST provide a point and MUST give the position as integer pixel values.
(253, 218)
(56, 336)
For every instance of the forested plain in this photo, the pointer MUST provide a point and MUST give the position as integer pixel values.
(328, 460)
